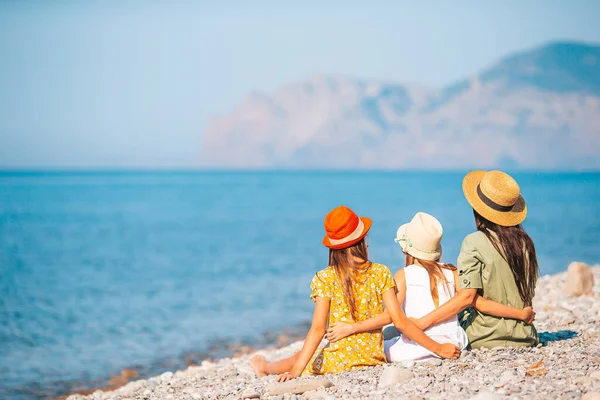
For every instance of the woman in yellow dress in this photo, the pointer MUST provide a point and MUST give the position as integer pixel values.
(350, 289)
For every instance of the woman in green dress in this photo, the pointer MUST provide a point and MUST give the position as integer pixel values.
(497, 262)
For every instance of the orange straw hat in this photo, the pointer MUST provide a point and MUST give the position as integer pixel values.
(496, 196)
(344, 228)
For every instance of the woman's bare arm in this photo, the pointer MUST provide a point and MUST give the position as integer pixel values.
(503, 311)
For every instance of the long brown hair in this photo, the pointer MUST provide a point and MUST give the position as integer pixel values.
(343, 261)
(517, 248)
(436, 275)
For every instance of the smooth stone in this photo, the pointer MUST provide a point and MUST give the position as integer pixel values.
(591, 396)
(580, 280)
(506, 378)
(314, 394)
(408, 363)
(595, 375)
(227, 372)
(250, 394)
(166, 376)
(393, 375)
(485, 395)
(435, 362)
(297, 387)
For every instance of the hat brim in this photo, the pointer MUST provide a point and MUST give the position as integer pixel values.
(416, 252)
(367, 225)
(512, 217)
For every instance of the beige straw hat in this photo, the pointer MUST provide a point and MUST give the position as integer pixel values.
(496, 196)
(421, 237)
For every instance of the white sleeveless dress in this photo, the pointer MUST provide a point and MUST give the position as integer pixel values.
(418, 303)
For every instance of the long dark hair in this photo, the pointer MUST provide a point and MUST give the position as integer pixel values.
(436, 275)
(517, 248)
(343, 261)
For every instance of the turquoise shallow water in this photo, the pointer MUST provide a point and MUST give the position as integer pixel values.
(100, 271)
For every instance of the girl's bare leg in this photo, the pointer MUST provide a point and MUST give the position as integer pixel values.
(261, 367)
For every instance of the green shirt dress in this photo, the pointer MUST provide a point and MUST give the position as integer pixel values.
(482, 267)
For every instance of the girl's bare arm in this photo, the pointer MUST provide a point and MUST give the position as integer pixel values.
(340, 330)
(408, 328)
(313, 338)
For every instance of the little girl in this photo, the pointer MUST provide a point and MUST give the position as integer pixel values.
(351, 288)
(423, 285)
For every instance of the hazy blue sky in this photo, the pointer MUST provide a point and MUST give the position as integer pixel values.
(105, 83)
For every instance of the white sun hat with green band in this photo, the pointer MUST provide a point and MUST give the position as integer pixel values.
(421, 237)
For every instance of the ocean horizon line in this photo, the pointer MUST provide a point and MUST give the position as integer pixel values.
(8, 171)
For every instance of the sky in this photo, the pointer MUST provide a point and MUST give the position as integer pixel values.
(132, 84)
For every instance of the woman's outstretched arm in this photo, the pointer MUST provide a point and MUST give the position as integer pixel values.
(449, 309)
(408, 328)
(467, 297)
(340, 330)
(313, 338)
(491, 307)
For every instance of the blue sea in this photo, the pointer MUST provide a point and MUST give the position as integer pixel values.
(105, 270)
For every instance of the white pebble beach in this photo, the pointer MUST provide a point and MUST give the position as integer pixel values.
(569, 328)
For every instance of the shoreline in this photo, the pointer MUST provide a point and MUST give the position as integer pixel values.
(565, 365)
(216, 349)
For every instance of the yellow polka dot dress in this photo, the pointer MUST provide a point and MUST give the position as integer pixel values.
(362, 349)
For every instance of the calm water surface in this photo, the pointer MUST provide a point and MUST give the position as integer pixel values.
(101, 271)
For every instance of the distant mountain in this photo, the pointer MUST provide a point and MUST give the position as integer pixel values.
(537, 109)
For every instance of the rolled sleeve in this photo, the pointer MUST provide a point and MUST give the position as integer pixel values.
(469, 265)
(321, 286)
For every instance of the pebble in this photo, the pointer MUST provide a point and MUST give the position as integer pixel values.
(485, 395)
(297, 386)
(506, 378)
(250, 394)
(166, 376)
(435, 362)
(393, 375)
(408, 363)
(569, 355)
(314, 394)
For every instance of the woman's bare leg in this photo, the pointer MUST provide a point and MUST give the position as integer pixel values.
(262, 368)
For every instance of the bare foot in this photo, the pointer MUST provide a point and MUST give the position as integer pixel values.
(258, 364)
